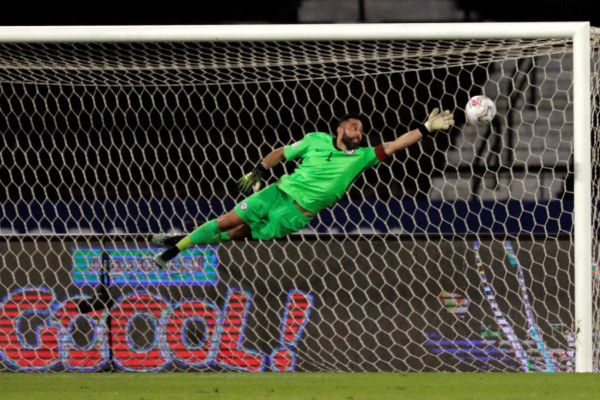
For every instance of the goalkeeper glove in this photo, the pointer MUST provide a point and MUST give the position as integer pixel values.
(252, 180)
(436, 121)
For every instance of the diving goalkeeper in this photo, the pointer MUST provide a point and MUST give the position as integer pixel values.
(328, 167)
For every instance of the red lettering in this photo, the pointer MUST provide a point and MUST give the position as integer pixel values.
(40, 354)
(95, 355)
(116, 266)
(146, 335)
(96, 265)
(295, 317)
(230, 351)
(179, 342)
(125, 355)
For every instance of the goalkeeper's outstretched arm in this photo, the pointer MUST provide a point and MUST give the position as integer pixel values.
(435, 121)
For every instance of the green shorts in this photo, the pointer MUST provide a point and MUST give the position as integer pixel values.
(271, 214)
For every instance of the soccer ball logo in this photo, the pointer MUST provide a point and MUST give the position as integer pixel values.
(480, 110)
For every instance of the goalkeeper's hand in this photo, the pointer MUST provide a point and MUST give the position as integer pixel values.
(252, 180)
(437, 120)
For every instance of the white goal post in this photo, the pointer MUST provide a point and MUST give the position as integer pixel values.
(94, 103)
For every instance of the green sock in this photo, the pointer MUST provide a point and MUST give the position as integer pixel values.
(207, 233)
(184, 243)
(224, 236)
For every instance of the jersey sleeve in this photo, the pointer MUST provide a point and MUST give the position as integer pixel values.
(374, 156)
(297, 149)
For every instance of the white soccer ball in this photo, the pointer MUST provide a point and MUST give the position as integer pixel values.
(480, 110)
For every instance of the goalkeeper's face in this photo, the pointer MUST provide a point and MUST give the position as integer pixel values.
(351, 133)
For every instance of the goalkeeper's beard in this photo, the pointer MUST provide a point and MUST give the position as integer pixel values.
(350, 142)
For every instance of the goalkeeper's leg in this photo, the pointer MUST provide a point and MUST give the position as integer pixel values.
(227, 227)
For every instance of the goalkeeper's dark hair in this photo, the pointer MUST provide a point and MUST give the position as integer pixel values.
(349, 116)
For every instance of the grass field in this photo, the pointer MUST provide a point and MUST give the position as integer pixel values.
(272, 386)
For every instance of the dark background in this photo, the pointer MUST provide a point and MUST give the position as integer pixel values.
(102, 168)
(167, 14)
(220, 12)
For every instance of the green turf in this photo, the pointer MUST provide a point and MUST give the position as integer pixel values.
(270, 386)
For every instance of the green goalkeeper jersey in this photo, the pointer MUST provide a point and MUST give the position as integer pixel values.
(325, 172)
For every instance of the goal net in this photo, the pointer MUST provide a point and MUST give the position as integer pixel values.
(457, 254)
